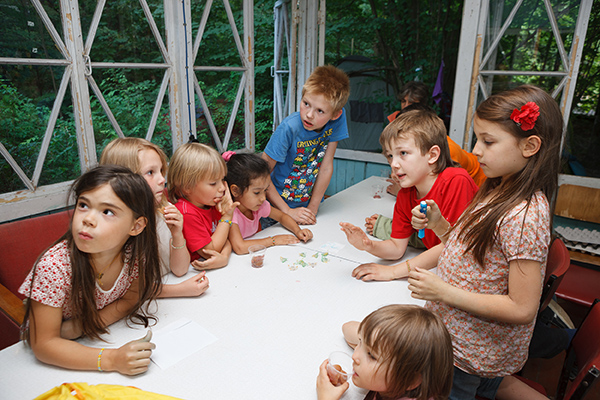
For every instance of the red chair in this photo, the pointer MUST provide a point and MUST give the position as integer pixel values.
(580, 285)
(556, 267)
(582, 360)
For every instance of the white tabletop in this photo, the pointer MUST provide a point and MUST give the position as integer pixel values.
(274, 325)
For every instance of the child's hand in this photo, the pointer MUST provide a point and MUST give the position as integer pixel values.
(303, 216)
(71, 329)
(133, 358)
(370, 223)
(304, 234)
(325, 389)
(429, 221)
(374, 272)
(356, 236)
(216, 260)
(425, 285)
(227, 205)
(281, 240)
(394, 186)
(194, 286)
(174, 219)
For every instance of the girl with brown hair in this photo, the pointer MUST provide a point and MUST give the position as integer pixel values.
(492, 266)
(103, 269)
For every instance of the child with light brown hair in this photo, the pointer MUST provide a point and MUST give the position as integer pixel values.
(417, 150)
(196, 183)
(148, 160)
(400, 352)
(300, 152)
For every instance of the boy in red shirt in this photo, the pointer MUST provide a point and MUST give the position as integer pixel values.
(417, 150)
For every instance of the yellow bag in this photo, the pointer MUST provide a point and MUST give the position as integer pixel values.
(83, 391)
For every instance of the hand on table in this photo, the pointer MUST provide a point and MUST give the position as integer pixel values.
(304, 234)
(425, 285)
(303, 216)
(194, 286)
(279, 240)
(133, 358)
(325, 389)
(356, 236)
(374, 272)
(370, 223)
(216, 260)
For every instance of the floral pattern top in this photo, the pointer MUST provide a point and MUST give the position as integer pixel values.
(52, 284)
(483, 346)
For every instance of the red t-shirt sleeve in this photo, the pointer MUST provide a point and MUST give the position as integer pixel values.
(452, 191)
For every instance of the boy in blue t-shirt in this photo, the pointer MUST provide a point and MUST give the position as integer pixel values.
(300, 152)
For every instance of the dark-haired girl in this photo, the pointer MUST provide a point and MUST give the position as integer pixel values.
(103, 269)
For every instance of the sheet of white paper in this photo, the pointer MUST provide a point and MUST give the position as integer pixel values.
(179, 340)
(331, 247)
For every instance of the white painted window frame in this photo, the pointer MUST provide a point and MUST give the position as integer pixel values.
(472, 62)
(179, 54)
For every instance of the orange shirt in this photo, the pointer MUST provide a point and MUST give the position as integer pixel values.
(466, 160)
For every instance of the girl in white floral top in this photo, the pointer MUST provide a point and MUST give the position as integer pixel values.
(492, 262)
(105, 268)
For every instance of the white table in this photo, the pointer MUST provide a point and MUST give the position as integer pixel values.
(274, 325)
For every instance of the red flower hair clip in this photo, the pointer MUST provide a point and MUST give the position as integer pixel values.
(526, 117)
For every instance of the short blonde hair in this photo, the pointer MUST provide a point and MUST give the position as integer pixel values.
(410, 343)
(190, 164)
(426, 129)
(330, 82)
(125, 152)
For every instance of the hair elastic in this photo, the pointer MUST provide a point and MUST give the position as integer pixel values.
(527, 116)
(227, 155)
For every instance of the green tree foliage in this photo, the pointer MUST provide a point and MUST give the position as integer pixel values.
(406, 38)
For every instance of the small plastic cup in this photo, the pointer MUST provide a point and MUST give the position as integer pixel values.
(378, 191)
(257, 254)
(339, 367)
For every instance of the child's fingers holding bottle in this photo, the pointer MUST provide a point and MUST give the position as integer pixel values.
(325, 389)
(430, 220)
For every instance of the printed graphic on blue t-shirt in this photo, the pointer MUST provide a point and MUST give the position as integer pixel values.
(297, 187)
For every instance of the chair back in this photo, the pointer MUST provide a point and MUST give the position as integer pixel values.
(583, 357)
(556, 267)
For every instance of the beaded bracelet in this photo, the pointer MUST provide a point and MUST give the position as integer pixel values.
(100, 359)
(226, 221)
(408, 266)
(177, 247)
(273, 239)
